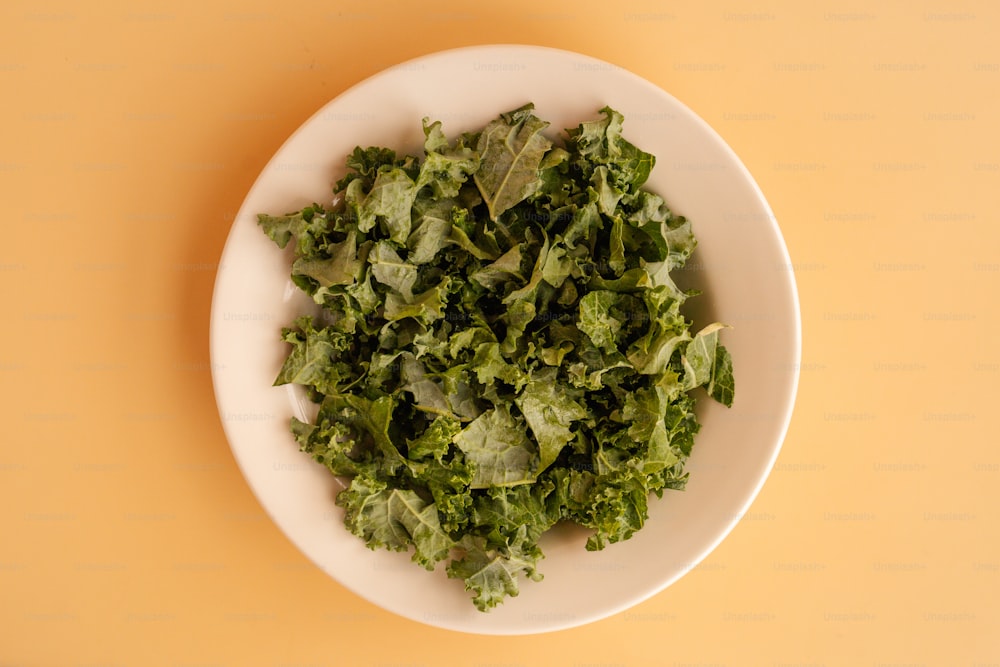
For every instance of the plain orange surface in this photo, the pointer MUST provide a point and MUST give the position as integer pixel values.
(129, 134)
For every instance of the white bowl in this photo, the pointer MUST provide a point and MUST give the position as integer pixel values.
(741, 265)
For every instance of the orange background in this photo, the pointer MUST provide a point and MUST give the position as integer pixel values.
(129, 134)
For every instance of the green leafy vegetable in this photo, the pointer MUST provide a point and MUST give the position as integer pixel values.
(511, 150)
(497, 447)
(500, 346)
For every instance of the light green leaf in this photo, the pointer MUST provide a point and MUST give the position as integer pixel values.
(420, 519)
(371, 417)
(341, 268)
(431, 231)
(425, 307)
(519, 315)
(699, 356)
(427, 395)
(722, 386)
(601, 142)
(644, 413)
(308, 227)
(388, 202)
(498, 448)
(369, 515)
(585, 223)
(490, 574)
(511, 149)
(558, 265)
(489, 366)
(550, 411)
(435, 440)
(596, 320)
(527, 292)
(314, 360)
(505, 269)
(608, 195)
(651, 353)
(445, 167)
(616, 259)
(394, 519)
(455, 381)
(391, 270)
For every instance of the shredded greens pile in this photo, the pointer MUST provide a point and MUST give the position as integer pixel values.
(499, 345)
